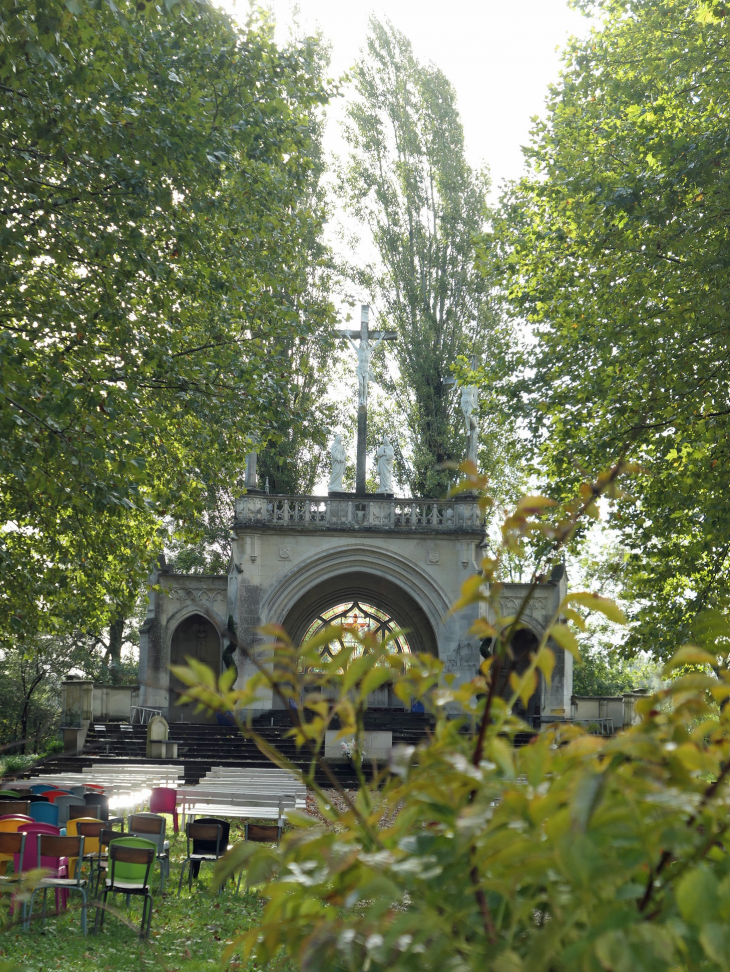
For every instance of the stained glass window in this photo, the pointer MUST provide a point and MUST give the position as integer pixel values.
(357, 614)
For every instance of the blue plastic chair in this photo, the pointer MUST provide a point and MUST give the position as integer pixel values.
(46, 813)
(41, 788)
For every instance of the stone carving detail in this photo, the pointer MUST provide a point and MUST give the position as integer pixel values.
(206, 595)
(434, 555)
(285, 552)
(385, 456)
(464, 658)
(537, 607)
(339, 459)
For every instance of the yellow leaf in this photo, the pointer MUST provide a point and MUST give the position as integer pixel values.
(483, 629)
(545, 661)
(533, 504)
(577, 619)
(486, 665)
(594, 602)
(470, 593)
(564, 637)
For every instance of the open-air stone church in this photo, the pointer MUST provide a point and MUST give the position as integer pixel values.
(365, 559)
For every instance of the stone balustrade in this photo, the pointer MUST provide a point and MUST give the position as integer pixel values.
(361, 513)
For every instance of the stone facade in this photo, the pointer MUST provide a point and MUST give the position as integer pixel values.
(292, 557)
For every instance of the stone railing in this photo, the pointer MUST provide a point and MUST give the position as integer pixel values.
(359, 513)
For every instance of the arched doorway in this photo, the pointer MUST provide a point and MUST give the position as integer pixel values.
(371, 602)
(195, 637)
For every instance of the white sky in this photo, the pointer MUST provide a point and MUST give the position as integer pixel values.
(500, 56)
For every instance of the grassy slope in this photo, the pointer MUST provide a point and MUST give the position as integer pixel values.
(188, 933)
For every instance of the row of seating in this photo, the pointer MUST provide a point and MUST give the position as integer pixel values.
(124, 862)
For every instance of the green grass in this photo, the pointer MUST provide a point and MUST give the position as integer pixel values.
(188, 933)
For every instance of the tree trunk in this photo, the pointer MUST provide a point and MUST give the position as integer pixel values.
(114, 651)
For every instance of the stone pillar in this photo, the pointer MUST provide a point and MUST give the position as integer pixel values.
(154, 661)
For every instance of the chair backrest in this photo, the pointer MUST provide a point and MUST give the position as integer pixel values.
(77, 790)
(263, 833)
(36, 798)
(209, 836)
(10, 823)
(12, 844)
(88, 810)
(63, 803)
(107, 836)
(10, 794)
(52, 794)
(90, 828)
(163, 799)
(52, 848)
(141, 823)
(72, 828)
(96, 799)
(130, 860)
(13, 807)
(44, 813)
(41, 788)
(39, 828)
(203, 831)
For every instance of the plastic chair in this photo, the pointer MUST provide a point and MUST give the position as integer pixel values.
(35, 798)
(63, 803)
(72, 830)
(52, 794)
(30, 860)
(44, 813)
(13, 807)
(261, 834)
(90, 831)
(10, 822)
(164, 800)
(97, 800)
(130, 864)
(9, 825)
(41, 788)
(52, 852)
(9, 794)
(152, 827)
(208, 845)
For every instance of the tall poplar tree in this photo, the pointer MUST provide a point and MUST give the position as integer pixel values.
(407, 181)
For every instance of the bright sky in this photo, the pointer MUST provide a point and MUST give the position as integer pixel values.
(500, 55)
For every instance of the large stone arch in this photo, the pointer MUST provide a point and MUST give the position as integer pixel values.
(373, 589)
(385, 579)
(197, 636)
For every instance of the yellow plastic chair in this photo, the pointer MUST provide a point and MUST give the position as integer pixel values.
(91, 844)
(10, 826)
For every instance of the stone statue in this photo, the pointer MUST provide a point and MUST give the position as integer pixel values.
(364, 374)
(385, 456)
(469, 404)
(339, 458)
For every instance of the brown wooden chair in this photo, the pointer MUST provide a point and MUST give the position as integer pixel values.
(261, 834)
(210, 832)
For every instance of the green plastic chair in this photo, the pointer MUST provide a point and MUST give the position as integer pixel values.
(131, 860)
(10, 794)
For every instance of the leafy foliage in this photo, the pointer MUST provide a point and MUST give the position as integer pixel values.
(407, 181)
(572, 852)
(615, 248)
(157, 207)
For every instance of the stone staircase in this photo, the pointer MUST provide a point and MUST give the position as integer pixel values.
(202, 746)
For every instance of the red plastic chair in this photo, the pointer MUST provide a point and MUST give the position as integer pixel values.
(51, 795)
(164, 800)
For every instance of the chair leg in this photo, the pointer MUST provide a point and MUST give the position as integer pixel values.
(182, 872)
(26, 923)
(43, 914)
(84, 922)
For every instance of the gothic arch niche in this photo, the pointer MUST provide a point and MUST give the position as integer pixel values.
(371, 602)
(198, 638)
(523, 644)
(367, 589)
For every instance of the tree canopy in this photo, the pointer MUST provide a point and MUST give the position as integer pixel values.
(407, 181)
(157, 214)
(615, 248)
